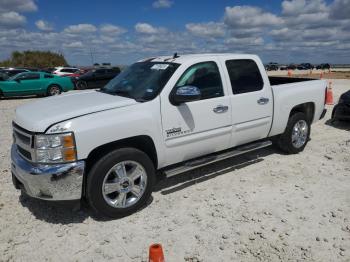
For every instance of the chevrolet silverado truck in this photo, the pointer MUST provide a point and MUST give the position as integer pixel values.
(160, 115)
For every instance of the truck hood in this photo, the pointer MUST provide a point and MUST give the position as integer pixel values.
(39, 115)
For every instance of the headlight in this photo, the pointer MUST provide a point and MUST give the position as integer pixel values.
(57, 148)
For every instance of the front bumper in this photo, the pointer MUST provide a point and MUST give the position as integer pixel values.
(49, 182)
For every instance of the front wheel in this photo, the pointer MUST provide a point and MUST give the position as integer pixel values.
(296, 135)
(120, 183)
(53, 90)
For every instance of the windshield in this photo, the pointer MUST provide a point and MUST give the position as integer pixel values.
(141, 81)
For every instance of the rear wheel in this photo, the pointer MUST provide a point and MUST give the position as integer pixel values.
(53, 90)
(81, 85)
(120, 183)
(296, 135)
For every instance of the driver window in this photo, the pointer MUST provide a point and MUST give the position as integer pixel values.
(28, 76)
(206, 77)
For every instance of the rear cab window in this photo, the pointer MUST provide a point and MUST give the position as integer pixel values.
(244, 76)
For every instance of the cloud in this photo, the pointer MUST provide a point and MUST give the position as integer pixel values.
(18, 6)
(245, 41)
(77, 44)
(145, 28)
(297, 7)
(340, 9)
(162, 4)
(249, 16)
(112, 29)
(80, 29)
(44, 25)
(207, 30)
(12, 20)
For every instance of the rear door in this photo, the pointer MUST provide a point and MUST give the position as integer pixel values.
(251, 100)
(197, 128)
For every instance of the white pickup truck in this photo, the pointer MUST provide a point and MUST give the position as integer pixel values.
(168, 114)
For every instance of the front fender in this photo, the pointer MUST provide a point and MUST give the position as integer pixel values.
(100, 128)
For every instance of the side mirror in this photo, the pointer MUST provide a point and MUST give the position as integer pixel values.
(185, 94)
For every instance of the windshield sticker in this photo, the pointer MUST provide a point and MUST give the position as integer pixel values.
(159, 66)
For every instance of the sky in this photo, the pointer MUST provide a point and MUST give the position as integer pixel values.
(121, 32)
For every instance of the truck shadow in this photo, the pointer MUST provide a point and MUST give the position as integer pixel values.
(55, 212)
(76, 212)
(173, 184)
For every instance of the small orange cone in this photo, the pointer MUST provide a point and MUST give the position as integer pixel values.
(289, 72)
(156, 253)
(329, 95)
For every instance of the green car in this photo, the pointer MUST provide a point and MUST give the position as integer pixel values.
(35, 83)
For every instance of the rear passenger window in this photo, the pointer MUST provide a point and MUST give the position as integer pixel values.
(244, 76)
(206, 77)
(48, 76)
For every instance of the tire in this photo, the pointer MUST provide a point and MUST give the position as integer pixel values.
(286, 142)
(54, 90)
(81, 85)
(108, 175)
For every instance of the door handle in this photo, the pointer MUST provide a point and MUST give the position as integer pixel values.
(263, 101)
(220, 109)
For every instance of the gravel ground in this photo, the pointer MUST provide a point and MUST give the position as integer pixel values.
(261, 206)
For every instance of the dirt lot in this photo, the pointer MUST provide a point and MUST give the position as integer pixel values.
(261, 206)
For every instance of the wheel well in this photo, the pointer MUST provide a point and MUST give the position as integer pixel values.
(307, 108)
(53, 84)
(143, 143)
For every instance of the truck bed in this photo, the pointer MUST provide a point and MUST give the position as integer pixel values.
(280, 80)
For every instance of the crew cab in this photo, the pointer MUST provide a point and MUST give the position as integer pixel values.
(160, 115)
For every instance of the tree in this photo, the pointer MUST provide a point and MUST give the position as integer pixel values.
(34, 59)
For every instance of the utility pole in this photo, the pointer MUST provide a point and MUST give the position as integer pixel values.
(92, 57)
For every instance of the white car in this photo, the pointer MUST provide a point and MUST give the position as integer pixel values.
(166, 114)
(65, 71)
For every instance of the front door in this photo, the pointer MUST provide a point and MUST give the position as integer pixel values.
(199, 127)
(29, 83)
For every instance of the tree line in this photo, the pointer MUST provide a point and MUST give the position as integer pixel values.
(34, 59)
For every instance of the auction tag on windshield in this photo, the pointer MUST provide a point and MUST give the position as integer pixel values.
(159, 66)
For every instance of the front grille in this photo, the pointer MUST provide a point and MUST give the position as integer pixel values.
(24, 142)
(23, 138)
(24, 153)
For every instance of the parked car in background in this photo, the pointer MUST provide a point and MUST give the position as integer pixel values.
(324, 66)
(35, 83)
(65, 71)
(291, 67)
(272, 67)
(95, 78)
(13, 71)
(341, 111)
(305, 66)
(283, 67)
(164, 115)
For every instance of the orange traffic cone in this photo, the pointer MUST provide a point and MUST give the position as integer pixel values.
(289, 72)
(156, 253)
(329, 95)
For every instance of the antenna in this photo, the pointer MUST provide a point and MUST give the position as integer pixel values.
(175, 56)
